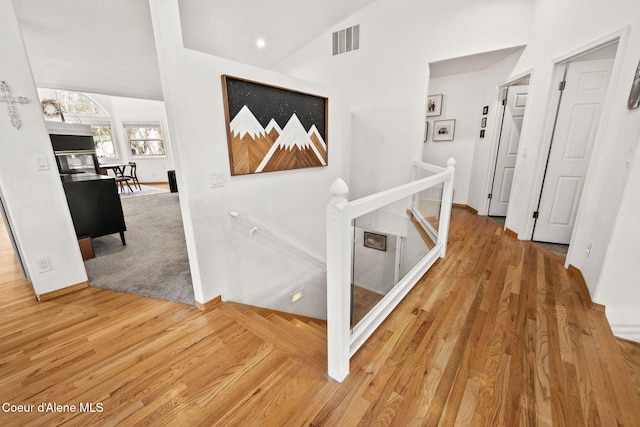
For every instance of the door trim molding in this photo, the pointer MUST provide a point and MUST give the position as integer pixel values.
(616, 36)
(495, 139)
(621, 37)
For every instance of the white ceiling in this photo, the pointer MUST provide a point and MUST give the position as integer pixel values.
(107, 47)
(229, 29)
(470, 63)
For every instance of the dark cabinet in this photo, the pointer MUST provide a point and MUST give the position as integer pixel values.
(95, 205)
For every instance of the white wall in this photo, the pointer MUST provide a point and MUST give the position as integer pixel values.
(35, 200)
(619, 287)
(289, 203)
(464, 96)
(123, 110)
(556, 37)
(462, 100)
(385, 82)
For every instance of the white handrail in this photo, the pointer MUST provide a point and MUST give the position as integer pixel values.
(254, 229)
(342, 342)
(429, 167)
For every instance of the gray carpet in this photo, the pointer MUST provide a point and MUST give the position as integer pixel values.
(154, 262)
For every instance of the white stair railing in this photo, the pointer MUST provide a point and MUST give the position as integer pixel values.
(343, 341)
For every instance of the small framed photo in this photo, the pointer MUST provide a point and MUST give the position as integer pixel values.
(426, 130)
(482, 133)
(375, 241)
(434, 105)
(485, 110)
(483, 124)
(443, 130)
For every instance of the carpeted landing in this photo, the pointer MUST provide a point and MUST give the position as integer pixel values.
(154, 262)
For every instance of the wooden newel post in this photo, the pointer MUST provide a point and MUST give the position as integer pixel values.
(445, 207)
(339, 261)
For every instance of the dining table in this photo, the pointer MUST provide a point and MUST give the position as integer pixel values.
(117, 168)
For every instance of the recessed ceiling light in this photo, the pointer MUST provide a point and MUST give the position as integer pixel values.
(261, 42)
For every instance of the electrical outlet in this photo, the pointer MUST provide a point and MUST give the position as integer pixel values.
(588, 249)
(44, 265)
(296, 296)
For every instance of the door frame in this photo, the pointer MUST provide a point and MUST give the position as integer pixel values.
(553, 99)
(501, 92)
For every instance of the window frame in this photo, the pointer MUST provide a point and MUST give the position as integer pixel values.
(145, 124)
(109, 124)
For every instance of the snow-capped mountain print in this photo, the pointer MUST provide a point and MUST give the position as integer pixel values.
(256, 149)
(293, 149)
(249, 142)
(246, 123)
(273, 129)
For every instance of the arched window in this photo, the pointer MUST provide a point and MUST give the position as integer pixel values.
(78, 107)
(78, 103)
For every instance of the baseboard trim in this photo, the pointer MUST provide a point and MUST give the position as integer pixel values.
(59, 292)
(630, 341)
(583, 283)
(467, 207)
(510, 233)
(204, 306)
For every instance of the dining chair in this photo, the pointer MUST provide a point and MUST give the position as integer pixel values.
(133, 176)
(121, 181)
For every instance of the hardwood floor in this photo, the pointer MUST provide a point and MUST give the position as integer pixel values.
(363, 301)
(497, 333)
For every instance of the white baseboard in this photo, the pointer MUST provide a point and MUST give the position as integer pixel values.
(628, 332)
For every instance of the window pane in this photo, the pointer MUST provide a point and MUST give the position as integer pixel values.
(104, 141)
(146, 141)
(78, 103)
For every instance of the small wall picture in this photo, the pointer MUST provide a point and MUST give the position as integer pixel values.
(483, 124)
(434, 105)
(426, 130)
(375, 241)
(482, 133)
(443, 130)
(485, 110)
(634, 95)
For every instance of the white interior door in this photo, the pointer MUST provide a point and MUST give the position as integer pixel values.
(508, 149)
(576, 127)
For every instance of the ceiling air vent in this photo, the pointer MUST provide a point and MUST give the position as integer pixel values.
(346, 40)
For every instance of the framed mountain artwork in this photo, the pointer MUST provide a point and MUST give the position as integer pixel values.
(272, 129)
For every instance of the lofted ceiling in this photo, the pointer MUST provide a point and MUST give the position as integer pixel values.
(108, 46)
(470, 63)
(229, 29)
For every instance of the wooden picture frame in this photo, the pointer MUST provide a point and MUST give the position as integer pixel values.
(443, 130)
(434, 105)
(270, 128)
(375, 241)
(426, 130)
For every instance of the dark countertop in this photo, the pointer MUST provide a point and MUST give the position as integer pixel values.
(77, 177)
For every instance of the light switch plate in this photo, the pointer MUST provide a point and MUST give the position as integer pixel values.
(218, 179)
(41, 163)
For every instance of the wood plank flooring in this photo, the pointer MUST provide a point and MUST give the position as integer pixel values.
(497, 333)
